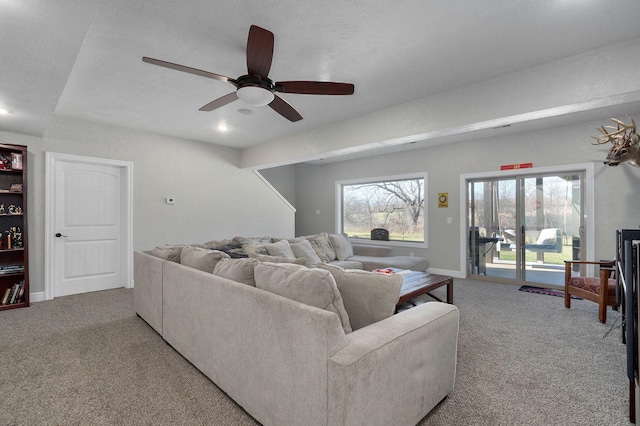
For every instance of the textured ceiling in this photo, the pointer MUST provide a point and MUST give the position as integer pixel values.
(82, 58)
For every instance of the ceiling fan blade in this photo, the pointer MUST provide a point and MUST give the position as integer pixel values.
(259, 51)
(315, 87)
(220, 102)
(189, 70)
(281, 106)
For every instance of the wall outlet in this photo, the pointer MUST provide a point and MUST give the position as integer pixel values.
(449, 220)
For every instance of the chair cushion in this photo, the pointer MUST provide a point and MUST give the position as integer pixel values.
(592, 284)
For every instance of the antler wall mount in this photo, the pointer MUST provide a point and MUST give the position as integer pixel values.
(255, 88)
(625, 143)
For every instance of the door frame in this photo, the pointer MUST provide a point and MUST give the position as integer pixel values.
(51, 163)
(588, 213)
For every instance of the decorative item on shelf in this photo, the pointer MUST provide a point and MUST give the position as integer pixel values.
(16, 187)
(16, 237)
(5, 163)
(15, 209)
(9, 246)
(2, 211)
(16, 161)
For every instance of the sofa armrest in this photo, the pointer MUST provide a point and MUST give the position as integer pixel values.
(147, 291)
(375, 251)
(409, 357)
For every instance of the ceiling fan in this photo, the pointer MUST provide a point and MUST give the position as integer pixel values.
(255, 88)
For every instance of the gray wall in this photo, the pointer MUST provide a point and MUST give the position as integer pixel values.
(214, 198)
(617, 205)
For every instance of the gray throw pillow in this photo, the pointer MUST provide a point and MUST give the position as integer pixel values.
(312, 287)
(368, 297)
(240, 270)
(171, 253)
(322, 245)
(281, 249)
(342, 246)
(304, 250)
(202, 259)
(255, 247)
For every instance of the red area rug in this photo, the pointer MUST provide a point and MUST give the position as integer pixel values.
(547, 291)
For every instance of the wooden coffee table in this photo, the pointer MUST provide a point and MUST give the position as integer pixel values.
(418, 283)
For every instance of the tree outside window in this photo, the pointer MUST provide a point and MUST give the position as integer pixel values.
(395, 205)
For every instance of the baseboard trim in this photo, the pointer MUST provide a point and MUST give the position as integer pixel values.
(37, 297)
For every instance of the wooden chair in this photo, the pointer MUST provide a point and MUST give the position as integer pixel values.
(601, 290)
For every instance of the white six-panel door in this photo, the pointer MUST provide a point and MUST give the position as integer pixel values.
(88, 227)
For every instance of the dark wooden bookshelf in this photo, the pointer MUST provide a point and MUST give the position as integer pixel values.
(14, 252)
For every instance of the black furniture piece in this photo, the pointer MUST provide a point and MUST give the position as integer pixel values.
(380, 234)
(628, 281)
(478, 250)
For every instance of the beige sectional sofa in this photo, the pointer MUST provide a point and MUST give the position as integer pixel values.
(301, 346)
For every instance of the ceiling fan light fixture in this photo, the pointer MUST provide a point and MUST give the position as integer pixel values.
(255, 95)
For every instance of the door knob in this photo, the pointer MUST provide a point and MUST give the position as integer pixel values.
(58, 235)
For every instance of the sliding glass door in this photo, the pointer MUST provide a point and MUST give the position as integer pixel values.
(522, 228)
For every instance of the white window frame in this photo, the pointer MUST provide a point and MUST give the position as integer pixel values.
(339, 209)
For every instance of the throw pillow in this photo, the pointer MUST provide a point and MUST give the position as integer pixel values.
(255, 247)
(240, 270)
(276, 259)
(202, 259)
(304, 250)
(281, 249)
(214, 243)
(313, 287)
(322, 246)
(342, 246)
(368, 297)
(171, 253)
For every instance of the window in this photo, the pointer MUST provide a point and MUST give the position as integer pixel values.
(396, 204)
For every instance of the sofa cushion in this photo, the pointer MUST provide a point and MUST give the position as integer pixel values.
(277, 259)
(368, 297)
(202, 259)
(314, 287)
(342, 246)
(347, 264)
(304, 250)
(413, 263)
(240, 270)
(167, 252)
(322, 245)
(281, 249)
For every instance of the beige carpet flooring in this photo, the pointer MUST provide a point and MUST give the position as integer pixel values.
(523, 359)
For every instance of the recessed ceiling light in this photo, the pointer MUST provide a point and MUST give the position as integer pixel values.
(245, 111)
(4, 111)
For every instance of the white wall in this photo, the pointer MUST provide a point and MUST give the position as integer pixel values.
(214, 198)
(617, 204)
